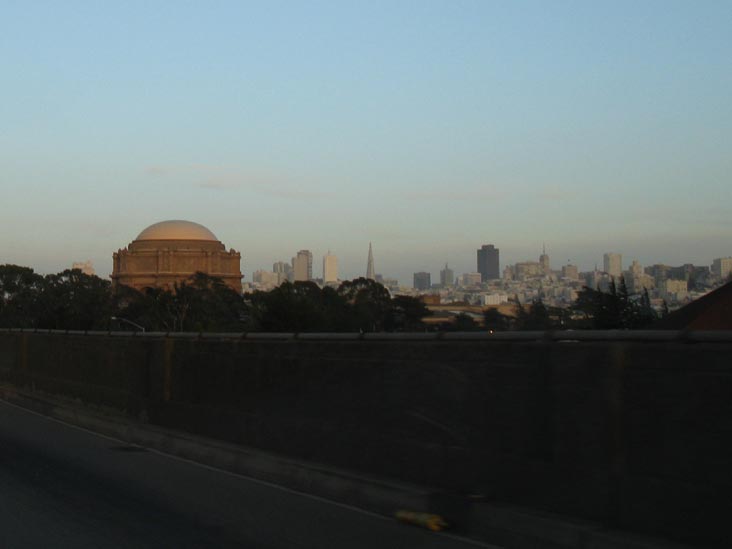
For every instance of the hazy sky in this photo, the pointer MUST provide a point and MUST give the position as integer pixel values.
(428, 128)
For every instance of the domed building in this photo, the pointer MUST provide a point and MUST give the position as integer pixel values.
(170, 252)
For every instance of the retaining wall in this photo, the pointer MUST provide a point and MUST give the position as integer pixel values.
(632, 430)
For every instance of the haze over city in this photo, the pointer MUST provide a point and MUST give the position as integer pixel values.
(426, 128)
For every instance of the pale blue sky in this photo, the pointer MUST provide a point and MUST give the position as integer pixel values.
(428, 128)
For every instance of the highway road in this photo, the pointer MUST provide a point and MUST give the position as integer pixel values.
(61, 486)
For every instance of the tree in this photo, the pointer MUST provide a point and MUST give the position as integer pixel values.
(614, 309)
(203, 303)
(298, 307)
(496, 321)
(209, 304)
(72, 300)
(407, 313)
(521, 316)
(601, 310)
(646, 314)
(537, 316)
(464, 323)
(151, 308)
(19, 291)
(370, 302)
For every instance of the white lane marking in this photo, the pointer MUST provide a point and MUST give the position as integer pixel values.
(244, 477)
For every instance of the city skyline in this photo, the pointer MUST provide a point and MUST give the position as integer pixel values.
(301, 266)
(426, 129)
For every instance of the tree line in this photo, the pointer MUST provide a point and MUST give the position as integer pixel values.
(72, 300)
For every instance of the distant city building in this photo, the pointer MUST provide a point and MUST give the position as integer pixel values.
(722, 267)
(544, 261)
(569, 295)
(171, 252)
(283, 270)
(659, 272)
(471, 279)
(493, 299)
(330, 268)
(675, 290)
(690, 273)
(391, 283)
(635, 269)
(266, 279)
(370, 272)
(570, 271)
(508, 273)
(447, 277)
(687, 271)
(613, 264)
(302, 265)
(637, 283)
(488, 264)
(527, 269)
(422, 281)
(597, 279)
(85, 267)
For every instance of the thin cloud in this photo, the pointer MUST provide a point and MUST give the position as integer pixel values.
(455, 196)
(185, 170)
(556, 193)
(221, 184)
(293, 193)
(261, 188)
(228, 179)
(157, 171)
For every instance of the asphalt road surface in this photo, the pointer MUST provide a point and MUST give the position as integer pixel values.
(61, 486)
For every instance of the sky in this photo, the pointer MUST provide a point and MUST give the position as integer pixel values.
(427, 128)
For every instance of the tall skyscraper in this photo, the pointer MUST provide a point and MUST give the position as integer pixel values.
(544, 261)
(422, 281)
(447, 277)
(613, 264)
(370, 273)
(488, 262)
(330, 268)
(302, 265)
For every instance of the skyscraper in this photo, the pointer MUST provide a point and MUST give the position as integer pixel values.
(447, 277)
(544, 261)
(283, 270)
(330, 268)
(370, 273)
(302, 265)
(613, 264)
(422, 281)
(488, 262)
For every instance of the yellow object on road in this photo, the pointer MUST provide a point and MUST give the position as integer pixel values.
(430, 521)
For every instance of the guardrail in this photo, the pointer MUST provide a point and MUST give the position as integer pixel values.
(562, 336)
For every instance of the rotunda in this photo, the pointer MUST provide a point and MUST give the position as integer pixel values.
(171, 252)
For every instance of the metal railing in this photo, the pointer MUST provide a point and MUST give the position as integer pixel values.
(561, 336)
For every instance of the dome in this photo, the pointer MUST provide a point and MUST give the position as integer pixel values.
(177, 229)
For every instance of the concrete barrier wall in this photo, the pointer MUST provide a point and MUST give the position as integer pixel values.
(637, 434)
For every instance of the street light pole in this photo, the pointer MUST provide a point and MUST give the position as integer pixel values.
(135, 324)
